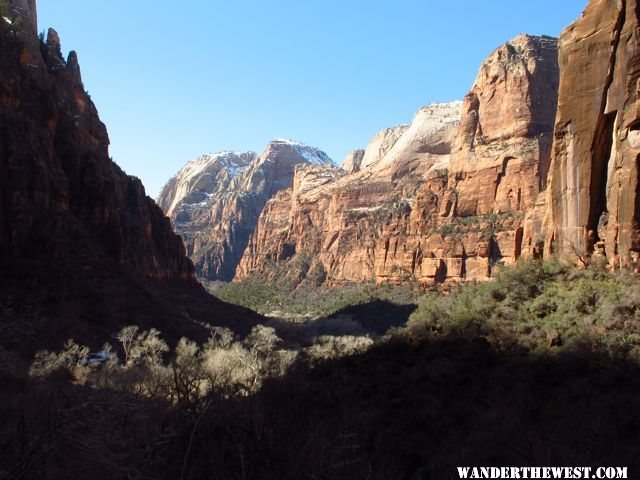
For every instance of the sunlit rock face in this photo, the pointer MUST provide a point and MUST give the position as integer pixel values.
(214, 201)
(442, 199)
(502, 151)
(593, 204)
(353, 161)
(332, 224)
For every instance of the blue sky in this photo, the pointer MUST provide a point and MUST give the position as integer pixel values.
(173, 80)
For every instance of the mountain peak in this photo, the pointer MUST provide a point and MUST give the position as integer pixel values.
(310, 154)
(203, 177)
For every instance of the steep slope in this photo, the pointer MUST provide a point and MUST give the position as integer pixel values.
(214, 202)
(504, 142)
(503, 148)
(593, 198)
(206, 176)
(330, 222)
(83, 250)
(441, 199)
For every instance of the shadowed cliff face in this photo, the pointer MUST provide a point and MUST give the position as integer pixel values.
(25, 9)
(440, 200)
(593, 192)
(56, 170)
(80, 242)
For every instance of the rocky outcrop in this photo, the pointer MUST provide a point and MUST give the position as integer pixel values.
(214, 202)
(380, 145)
(81, 245)
(442, 199)
(502, 151)
(353, 161)
(593, 202)
(207, 176)
(328, 225)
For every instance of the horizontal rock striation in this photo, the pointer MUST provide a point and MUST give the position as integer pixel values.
(442, 199)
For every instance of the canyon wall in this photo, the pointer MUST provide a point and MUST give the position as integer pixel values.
(55, 165)
(81, 245)
(540, 159)
(593, 206)
(442, 199)
(328, 225)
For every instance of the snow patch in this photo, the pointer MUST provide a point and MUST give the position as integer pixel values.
(234, 163)
(312, 155)
(220, 167)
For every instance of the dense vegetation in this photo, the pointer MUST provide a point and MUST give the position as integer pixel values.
(537, 307)
(539, 367)
(280, 298)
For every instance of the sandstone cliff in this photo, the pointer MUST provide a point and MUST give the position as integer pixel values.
(214, 202)
(441, 199)
(330, 223)
(503, 145)
(82, 248)
(593, 202)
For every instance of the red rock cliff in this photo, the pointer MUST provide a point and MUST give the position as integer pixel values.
(441, 199)
(593, 202)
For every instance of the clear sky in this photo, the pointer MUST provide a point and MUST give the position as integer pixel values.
(176, 79)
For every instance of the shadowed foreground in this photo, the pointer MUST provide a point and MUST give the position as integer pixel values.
(399, 411)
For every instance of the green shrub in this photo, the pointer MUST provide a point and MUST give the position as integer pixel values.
(308, 299)
(536, 306)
